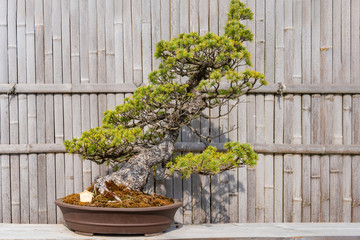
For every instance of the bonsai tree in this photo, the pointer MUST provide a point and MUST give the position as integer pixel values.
(139, 134)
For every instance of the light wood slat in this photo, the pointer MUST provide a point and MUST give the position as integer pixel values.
(315, 42)
(136, 41)
(251, 174)
(128, 41)
(22, 100)
(356, 161)
(3, 43)
(101, 68)
(146, 39)
(59, 164)
(297, 161)
(14, 163)
(66, 60)
(119, 41)
(110, 54)
(346, 167)
(5, 161)
(24, 160)
(279, 108)
(155, 30)
(76, 79)
(336, 163)
(233, 174)
(242, 172)
(288, 160)
(49, 106)
(288, 193)
(269, 159)
(109, 41)
(31, 107)
(288, 42)
(315, 160)
(40, 110)
(327, 125)
(14, 160)
(355, 41)
(306, 159)
(260, 167)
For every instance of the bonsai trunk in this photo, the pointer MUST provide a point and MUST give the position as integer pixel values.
(134, 173)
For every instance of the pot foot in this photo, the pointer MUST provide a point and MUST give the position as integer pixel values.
(153, 234)
(85, 233)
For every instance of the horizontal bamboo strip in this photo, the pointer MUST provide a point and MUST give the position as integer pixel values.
(197, 146)
(130, 87)
(68, 88)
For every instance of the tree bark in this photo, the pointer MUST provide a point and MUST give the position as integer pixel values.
(134, 173)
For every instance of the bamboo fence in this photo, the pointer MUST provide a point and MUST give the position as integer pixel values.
(64, 62)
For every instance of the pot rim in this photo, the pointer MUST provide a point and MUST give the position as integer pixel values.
(177, 203)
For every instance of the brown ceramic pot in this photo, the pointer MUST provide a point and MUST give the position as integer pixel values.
(90, 220)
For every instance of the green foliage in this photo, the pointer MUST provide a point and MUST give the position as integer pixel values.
(211, 161)
(166, 105)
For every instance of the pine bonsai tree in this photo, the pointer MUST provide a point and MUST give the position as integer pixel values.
(139, 134)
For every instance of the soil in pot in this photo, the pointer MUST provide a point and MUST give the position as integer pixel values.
(129, 198)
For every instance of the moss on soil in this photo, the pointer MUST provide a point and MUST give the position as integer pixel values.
(129, 198)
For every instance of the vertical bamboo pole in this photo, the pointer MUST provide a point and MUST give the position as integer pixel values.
(84, 78)
(31, 114)
(146, 39)
(251, 172)
(58, 104)
(49, 111)
(128, 41)
(335, 160)
(315, 107)
(296, 123)
(306, 160)
(346, 168)
(191, 186)
(68, 118)
(279, 110)
(118, 41)
(224, 121)
(315, 159)
(336, 163)
(269, 108)
(326, 78)
(136, 41)
(288, 159)
(355, 76)
(5, 209)
(346, 42)
(94, 35)
(110, 50)
(155, 37)
(355, 42)
(233, 173)
(5, 161)
(242, 172)
(251, 132)
(198, 20)
(356, 161)
(101, 67)
(306, 109)
(40, 109)
(13, 113)
(75, 78)
(22, 98)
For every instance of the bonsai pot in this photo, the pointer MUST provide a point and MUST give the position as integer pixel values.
(89, 220)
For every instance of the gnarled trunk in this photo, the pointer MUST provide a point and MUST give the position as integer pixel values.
(134, 172)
